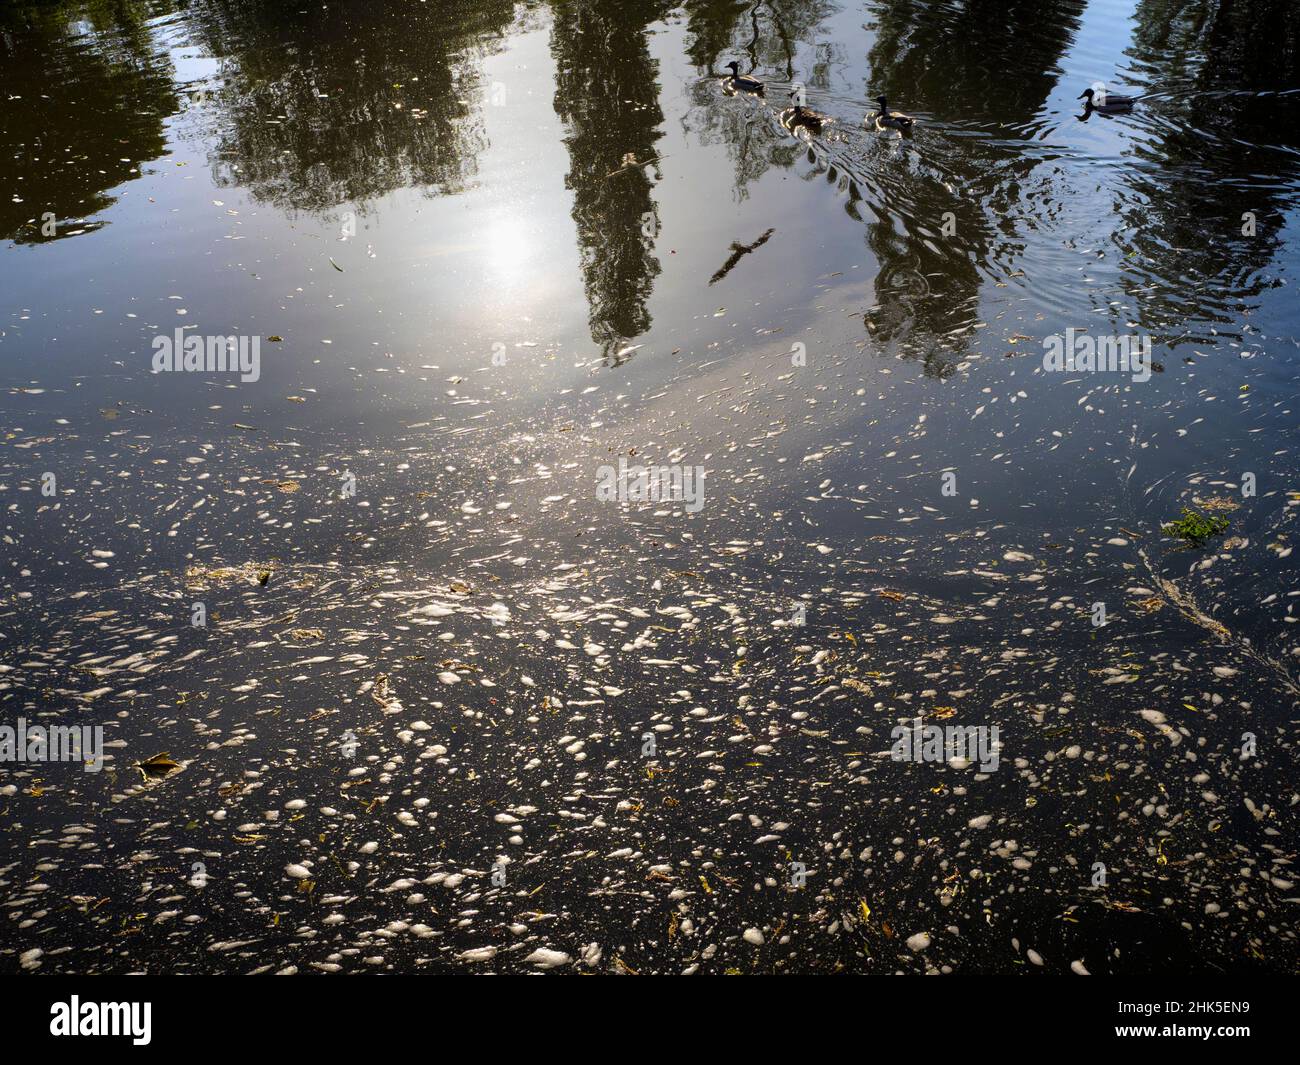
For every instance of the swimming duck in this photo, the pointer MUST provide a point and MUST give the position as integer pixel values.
(887, 119)
(739, 83)
(798, 115)
(1109, 102)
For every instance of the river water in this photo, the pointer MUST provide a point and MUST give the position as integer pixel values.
(432, 702)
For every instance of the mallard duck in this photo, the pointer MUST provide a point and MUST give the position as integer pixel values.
(887, 119)
(1109, 101)
(739, 83)
(798, 115)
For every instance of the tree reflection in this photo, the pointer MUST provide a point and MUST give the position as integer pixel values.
(979, 62)
(766, 35)
(83, 97)
(984, 60)
(607, 96)
(1216, 162)
(323, 106)
(316, 107)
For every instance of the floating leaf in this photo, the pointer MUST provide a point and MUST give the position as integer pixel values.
(157, 766)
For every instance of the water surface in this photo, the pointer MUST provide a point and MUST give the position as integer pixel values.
(451, 712)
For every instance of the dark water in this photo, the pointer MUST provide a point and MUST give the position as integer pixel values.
(449, 710)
